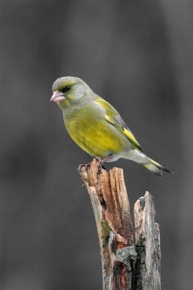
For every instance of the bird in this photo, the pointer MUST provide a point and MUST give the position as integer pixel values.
(96, 126)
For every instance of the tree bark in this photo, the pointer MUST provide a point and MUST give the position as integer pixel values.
(147, 242)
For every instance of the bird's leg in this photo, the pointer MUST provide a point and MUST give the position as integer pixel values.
(101, 161)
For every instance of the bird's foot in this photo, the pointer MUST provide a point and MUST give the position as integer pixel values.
(87, 165)
(100, 166)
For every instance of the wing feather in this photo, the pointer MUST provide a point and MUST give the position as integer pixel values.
(113, 117)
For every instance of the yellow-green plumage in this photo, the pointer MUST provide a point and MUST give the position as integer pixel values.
(92, 133)
(96, 126)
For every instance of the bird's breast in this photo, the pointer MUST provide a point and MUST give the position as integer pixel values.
(89, 129)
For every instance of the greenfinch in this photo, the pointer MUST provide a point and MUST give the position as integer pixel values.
(96, 126)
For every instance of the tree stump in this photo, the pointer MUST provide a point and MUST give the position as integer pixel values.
(130, 257)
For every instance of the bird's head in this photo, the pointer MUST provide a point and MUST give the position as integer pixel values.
(68, 91)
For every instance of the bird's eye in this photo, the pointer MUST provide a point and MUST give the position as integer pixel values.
(65, 89)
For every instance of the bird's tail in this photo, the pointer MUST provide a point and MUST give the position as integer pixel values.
(155, 167)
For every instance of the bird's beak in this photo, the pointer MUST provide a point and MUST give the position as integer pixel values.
(57, 97)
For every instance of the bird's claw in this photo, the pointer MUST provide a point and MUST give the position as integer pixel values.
(83, 165)
(100, 165)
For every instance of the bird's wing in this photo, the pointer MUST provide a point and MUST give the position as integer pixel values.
(113, 117)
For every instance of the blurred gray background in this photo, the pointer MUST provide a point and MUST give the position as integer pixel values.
(138, 56)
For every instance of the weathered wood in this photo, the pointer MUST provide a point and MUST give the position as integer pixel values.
(130, 258)
(147, 242)
(112, 214)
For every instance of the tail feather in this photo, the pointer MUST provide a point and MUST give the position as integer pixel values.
(156, 168)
